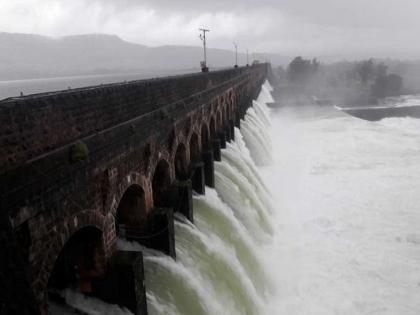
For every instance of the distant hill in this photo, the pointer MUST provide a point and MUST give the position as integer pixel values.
(34, 56)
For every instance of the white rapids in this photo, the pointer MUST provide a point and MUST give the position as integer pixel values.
(219, 267)
(313, 213)
(347, 214)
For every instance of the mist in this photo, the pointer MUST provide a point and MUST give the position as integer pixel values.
(345, 83)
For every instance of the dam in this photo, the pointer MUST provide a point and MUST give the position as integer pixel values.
(286, 210)
(86, 172)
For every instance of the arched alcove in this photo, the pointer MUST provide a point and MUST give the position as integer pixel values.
(194, 148)
(212, 128)
(161, 184)
(80, 261)
(205, 141)
(131, 212)
(181, 162)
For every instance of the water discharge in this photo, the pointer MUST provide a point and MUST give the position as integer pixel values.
(347, 216)
(313, 213)
(219, 267)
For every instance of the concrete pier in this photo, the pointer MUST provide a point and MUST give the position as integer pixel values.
(198, 178)
(208, 160)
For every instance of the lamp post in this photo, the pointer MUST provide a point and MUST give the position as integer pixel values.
(236, 54)
(204, 67)
(247, 58)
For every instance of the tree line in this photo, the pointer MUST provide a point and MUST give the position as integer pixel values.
(363, 82)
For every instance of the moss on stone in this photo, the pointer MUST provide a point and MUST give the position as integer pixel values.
(164, 114)
(79, 152)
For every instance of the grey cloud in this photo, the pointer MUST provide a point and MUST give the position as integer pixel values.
(344, 13)
(286, 26)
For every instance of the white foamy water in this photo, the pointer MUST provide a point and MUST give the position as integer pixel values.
(327, 224)
(265, 94)
(219, 268)
(403, 100)
(347, 214)
(82, 304)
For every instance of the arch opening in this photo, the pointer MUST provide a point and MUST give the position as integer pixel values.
(80, 262)
(205, 141)
(194, 148)
(131, 212)
(161, 185)
(181, 162)
(212, 128)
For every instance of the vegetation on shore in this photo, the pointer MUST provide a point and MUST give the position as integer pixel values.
(344, 83)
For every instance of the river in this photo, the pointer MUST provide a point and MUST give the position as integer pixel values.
(13, 88)
(348, 214)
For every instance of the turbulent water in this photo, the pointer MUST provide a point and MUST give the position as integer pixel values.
(347, 216)
(219, 268)
(314, 212)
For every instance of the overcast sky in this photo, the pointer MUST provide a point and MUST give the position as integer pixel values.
(307, 27)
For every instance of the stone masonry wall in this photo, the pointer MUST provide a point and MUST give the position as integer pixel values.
(33, 125)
